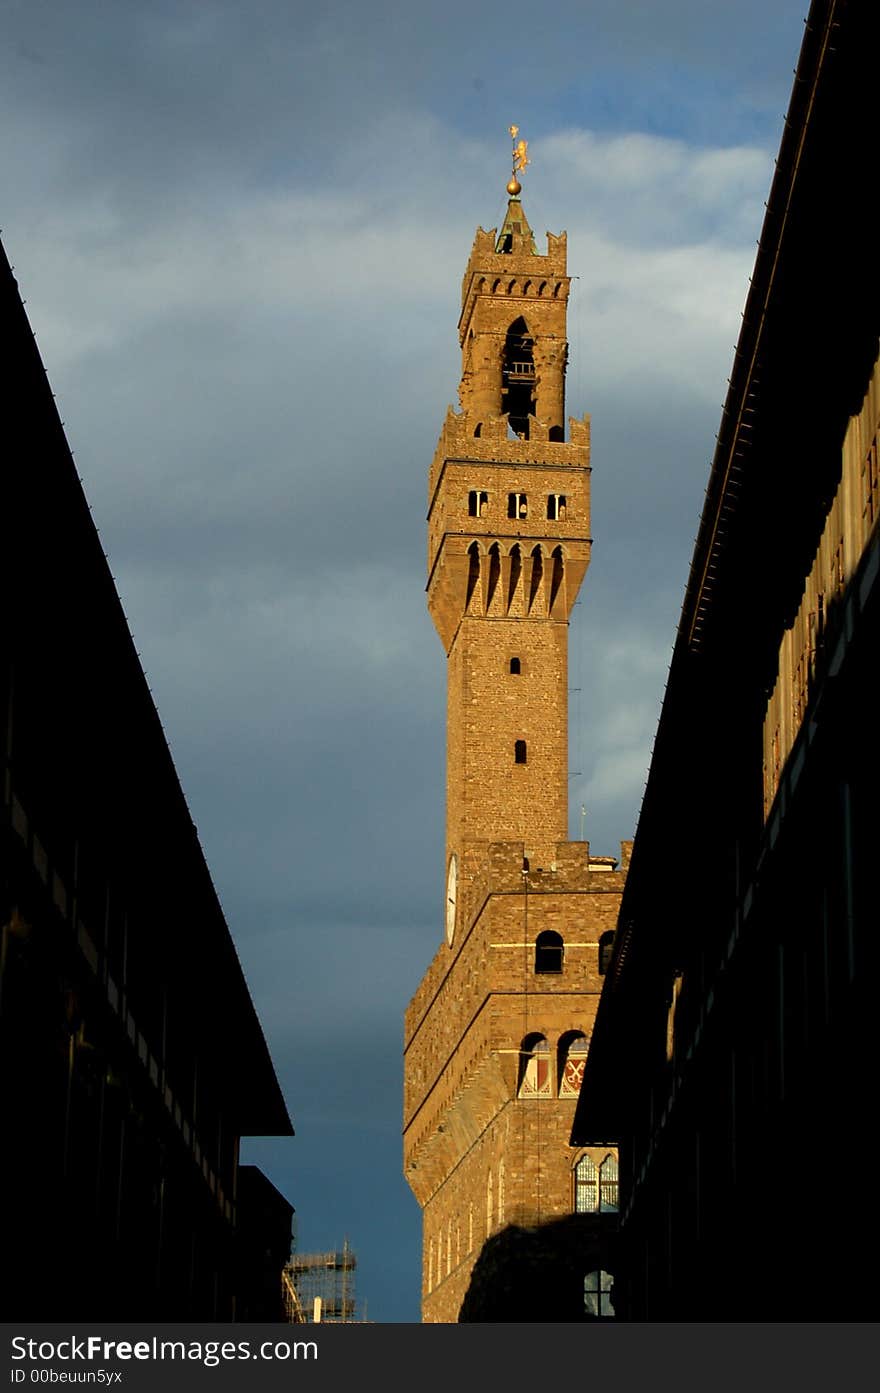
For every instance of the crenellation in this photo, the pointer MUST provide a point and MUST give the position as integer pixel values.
(458, 445)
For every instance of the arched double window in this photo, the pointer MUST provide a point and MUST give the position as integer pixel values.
(596, 1187)
(534, 1068)
(549, 951)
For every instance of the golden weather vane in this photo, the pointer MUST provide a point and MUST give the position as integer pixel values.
(520, 160)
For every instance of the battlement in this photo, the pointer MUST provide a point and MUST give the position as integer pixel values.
(465, 440)
(505, 870)
(521, 259)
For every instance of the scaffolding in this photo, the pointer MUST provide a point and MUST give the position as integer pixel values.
(293, 1311)
(322, 1287)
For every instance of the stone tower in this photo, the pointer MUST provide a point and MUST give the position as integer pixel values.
(496, 1034)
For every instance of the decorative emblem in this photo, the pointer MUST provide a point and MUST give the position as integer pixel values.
(520, 160)
(520, 150)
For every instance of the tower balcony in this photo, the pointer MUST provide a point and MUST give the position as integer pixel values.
(519, 372)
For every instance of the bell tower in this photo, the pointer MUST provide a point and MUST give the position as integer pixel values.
(508, 547)
(502, 1018)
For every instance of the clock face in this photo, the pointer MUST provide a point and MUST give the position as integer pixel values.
(451, 888)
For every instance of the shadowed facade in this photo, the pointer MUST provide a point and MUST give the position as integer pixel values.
(735, 1046)
(131, 1058)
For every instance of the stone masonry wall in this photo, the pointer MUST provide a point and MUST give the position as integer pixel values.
(489, 796)
(464, 1031)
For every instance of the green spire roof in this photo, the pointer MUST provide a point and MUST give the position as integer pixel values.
(515, 234)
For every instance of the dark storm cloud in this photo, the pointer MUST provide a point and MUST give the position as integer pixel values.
(241, 230)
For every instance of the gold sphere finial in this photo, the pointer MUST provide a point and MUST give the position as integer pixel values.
(520, 160)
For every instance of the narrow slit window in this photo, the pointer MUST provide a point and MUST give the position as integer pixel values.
(515, 666)
(519, 752)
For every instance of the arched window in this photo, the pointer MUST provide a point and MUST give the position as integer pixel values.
(515, 666)
(606, 943)
(586, 1186)
(598, 1291)
(534, 1068)
(572, 1058)
(519, 752)
(608, 1185)
(518, 377)
(549, 950)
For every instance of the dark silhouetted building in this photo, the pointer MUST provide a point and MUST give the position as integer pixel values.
(131, 1058)
(735, 1054)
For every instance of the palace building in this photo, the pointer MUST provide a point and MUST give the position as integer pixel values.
(497, 1033)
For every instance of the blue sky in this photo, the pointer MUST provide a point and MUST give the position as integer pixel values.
(240, 230)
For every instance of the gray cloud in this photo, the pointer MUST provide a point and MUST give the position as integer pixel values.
(241, 233)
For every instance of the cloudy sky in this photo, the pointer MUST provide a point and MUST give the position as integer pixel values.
(240, 229)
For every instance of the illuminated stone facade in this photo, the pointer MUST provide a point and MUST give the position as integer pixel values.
(496, 1033)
